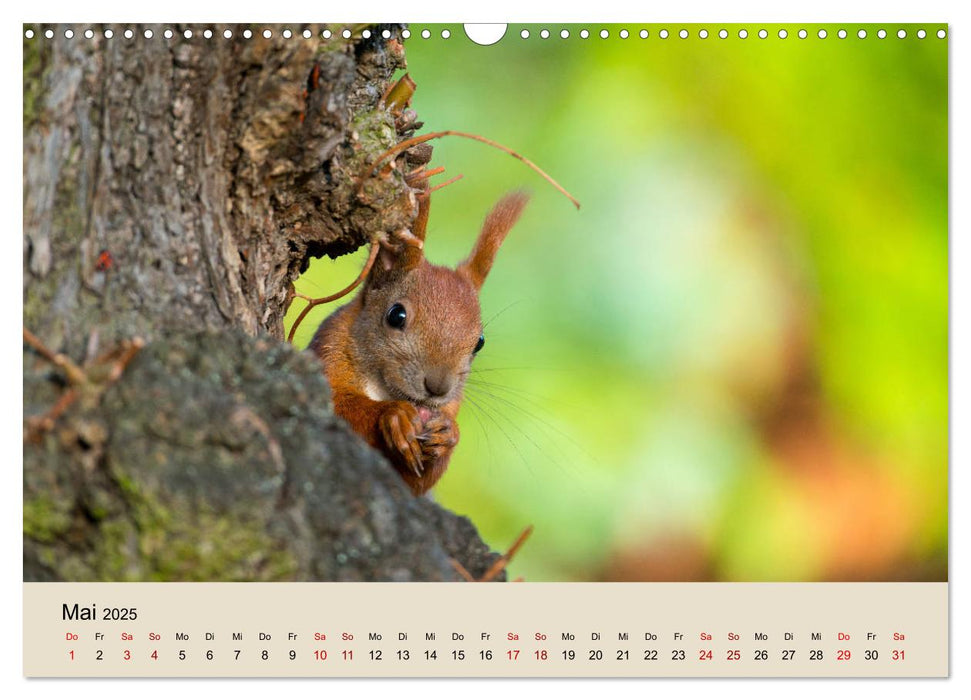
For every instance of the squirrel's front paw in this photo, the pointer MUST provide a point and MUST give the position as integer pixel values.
(400, 425)
(438, 437)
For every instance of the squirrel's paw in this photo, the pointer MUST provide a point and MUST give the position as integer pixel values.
(438, 437)
(400, 425)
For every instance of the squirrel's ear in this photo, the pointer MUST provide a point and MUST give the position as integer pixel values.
(400, 253)
(403, 251)
(497, 224)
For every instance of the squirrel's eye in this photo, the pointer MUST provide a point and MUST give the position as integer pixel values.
(396, 316)
(479, 344)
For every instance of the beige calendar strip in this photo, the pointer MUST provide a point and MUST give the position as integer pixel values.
(485, 630)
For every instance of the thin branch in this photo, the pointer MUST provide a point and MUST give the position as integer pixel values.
(375, 246)
(446, 183)
(415, 140)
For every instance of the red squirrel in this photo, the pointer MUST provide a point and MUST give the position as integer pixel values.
(398, 355)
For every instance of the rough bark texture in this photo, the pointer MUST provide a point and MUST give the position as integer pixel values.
(173, 190)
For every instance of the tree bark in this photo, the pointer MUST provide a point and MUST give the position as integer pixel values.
(173, 190)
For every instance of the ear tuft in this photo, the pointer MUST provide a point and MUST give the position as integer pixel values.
(399, 253)
(498, 223)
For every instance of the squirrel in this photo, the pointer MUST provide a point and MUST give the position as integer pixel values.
(398, 355)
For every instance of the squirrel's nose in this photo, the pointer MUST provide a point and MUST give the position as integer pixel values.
(438, 382)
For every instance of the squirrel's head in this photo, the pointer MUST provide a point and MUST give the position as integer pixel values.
(419, 326)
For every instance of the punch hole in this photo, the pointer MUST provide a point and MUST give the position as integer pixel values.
(326, 34)
(187, 33)
(207, 33)
(287, 34)
(307, 33)
(742, 33)
(129, 33)
(803, 33)
(941, 33)
(49, 33)
(524, 34)
(366, 34)
(168, 34)
(921, 34)
(405, 33)
(722, 33)
(347, 33)
(545, 34)
(683, 34)
(29, 34)
(882, 34)
(584, 34)
(663, 33)
(109, 33)
(487, 34)
(901, 34)
(703, 33)
(228, 34)
(564, 34)
(841, 33)
(861, 33)
(604, 33)
(267, 34)
(644, 34)
(783, 34)
(148, 34)
(385, 34)
(69, 33)
(88, 34)
(763, 34)
(821, 33)
(446, 34)
(624, 33)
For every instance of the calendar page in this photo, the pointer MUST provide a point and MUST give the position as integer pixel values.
(521, 350)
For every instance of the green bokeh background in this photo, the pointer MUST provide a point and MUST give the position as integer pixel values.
(732, 362)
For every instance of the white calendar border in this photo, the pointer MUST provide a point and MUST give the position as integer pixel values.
(494, 10)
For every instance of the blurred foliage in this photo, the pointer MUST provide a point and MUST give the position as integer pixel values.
(732, 363)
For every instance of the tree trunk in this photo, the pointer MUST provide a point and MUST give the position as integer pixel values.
(173, 190)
